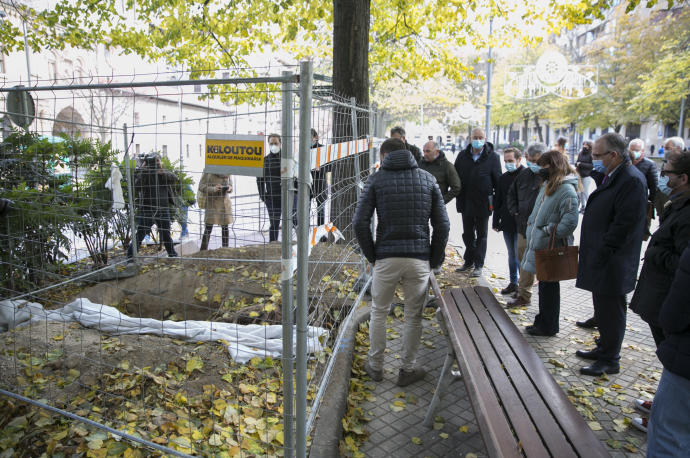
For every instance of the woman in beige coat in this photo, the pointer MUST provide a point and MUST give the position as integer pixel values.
(216, 189)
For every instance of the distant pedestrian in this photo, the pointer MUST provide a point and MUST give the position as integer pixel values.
(672, 145)
(435, 162)
(406, 200)
(269, 186)
(216, 189)
(610, 241)
(669, 424)
(521, 198)
(584, 168)
(556, 209)
(399, 133)
(562, 145)
(479, 169)
(503, 220)
(319, 187)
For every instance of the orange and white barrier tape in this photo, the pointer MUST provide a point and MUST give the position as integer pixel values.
(322, 155)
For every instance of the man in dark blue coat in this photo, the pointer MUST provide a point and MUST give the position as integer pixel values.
(479, 169)
(610, 242)
(406, 199)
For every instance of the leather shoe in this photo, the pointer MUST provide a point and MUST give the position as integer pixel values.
(511, 288)
(588, 354)
(518, 302)
(465, 267)
(600, 367)
(535, 331)
(589, 323)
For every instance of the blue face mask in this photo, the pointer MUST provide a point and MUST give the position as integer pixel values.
(533, 167)
(510, 166)
(663, 185)
(477, 144)
(599, 166)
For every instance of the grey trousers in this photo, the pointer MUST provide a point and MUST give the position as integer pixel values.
(526, 280)
(414, 276)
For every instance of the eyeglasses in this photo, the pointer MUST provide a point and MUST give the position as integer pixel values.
(601, 155)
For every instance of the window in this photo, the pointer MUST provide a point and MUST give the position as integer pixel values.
(164, 118)
(165, 150)
(226, 75)
(187, 150)
(136, 118)
(197, 88)
(137, 149)
(199, 150)
(2, 63)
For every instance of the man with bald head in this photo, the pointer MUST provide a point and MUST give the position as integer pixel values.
(479, 169)
(435, 162)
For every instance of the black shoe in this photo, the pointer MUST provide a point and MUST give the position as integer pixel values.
(589, 323)
(510, 289)
(600, 367)
(589, 354)
(535, 331)
(465, 267)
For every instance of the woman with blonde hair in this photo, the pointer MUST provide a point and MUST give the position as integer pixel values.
(556, 208)
(216, 190)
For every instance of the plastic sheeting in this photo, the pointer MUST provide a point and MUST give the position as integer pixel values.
(243, 341)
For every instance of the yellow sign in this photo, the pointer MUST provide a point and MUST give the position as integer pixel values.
(235, 154)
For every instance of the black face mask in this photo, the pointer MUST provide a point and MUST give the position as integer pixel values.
(544, 174)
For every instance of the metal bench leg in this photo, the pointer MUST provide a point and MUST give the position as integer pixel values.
(429, 419)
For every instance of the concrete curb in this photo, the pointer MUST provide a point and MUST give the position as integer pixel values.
(328, 429)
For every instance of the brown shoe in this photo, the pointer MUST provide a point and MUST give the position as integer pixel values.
(518, 302)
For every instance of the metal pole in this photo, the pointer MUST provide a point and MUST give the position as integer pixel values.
(286, 283)
(681, 129)
(355, 137)
(26, 53)
(130, 196)
(303, 254)
(488, 84)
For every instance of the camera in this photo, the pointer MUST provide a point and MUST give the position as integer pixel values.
(150, 160)
(225, 189)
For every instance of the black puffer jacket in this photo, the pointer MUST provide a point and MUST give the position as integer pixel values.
(503, 219)
(479, 180)
(405, 198)
(269, 184)
(661, 259)
(416, 153)
(521, 197)
(584, 163)
(674, 350)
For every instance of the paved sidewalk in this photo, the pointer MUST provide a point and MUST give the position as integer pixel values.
(606, 403)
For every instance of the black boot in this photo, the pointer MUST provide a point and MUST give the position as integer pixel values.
(225, 236)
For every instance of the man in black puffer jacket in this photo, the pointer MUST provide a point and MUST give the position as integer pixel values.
(669, 424)
(405, 199)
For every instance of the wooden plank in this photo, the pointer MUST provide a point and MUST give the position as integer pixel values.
(522, 423)
(545, 424)
(493, 425)
(584, 441)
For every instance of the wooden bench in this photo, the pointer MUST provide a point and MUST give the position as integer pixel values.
(520, 409)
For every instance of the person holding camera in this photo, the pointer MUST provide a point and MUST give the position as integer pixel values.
(153, 196)
(216, 190)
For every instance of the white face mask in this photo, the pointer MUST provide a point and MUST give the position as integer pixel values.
(275, 149)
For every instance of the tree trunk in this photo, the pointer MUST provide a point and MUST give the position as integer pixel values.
(536, 123)
(350, 79)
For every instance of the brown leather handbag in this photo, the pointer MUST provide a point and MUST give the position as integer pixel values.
(556, 263)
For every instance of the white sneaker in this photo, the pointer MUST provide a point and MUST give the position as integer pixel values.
(640, 423)
(643, 406)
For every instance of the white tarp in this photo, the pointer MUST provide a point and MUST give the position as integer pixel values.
(243, 341)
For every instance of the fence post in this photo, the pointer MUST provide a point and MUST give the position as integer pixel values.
(303, 253)
(130, 197)
(286, 277)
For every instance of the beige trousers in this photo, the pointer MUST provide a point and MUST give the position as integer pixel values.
(526, 280)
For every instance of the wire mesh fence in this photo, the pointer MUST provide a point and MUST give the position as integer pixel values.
(112, 314)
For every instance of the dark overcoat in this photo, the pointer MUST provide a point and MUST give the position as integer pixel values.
(611, 233)
(479, 180)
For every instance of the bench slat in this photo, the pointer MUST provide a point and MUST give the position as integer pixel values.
(575, 427)
(528, 436)
(539, 413)
(493, 425)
